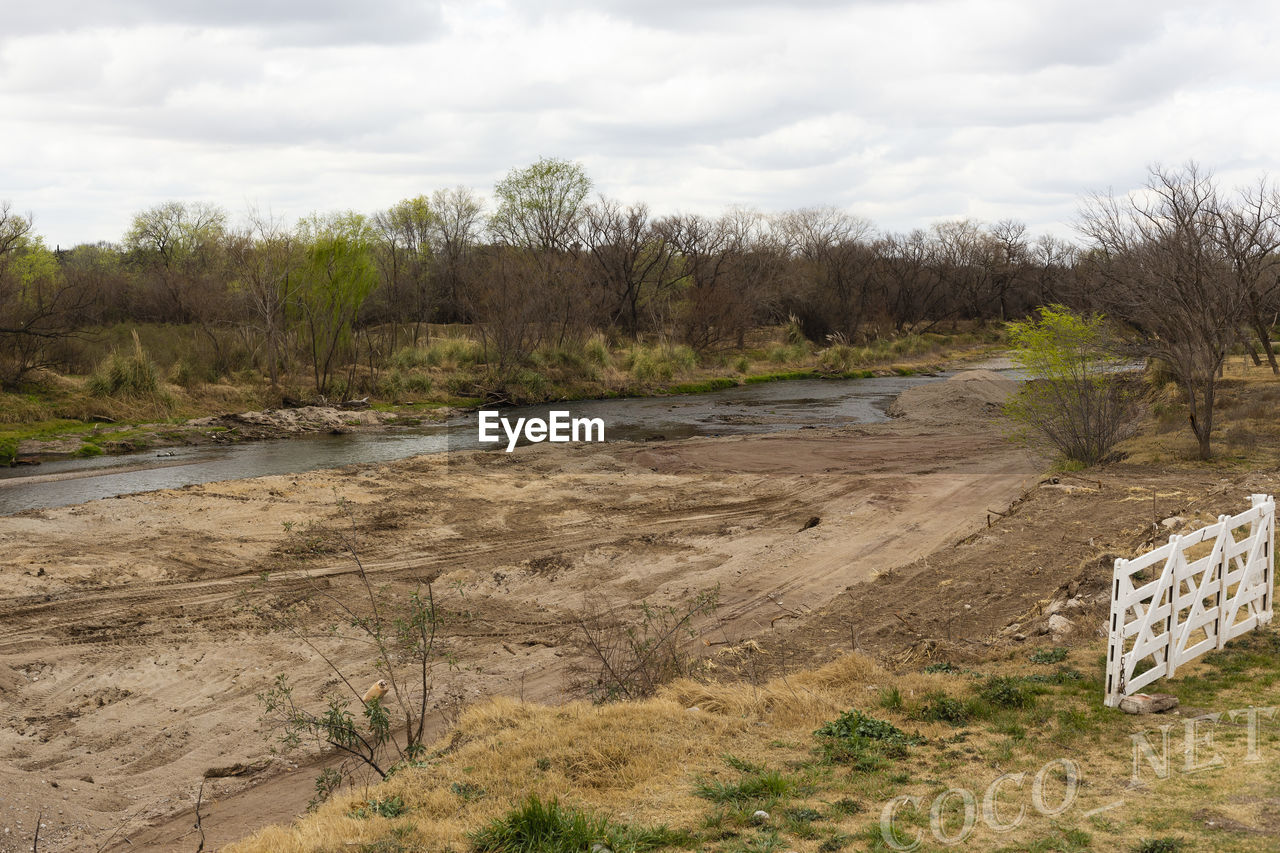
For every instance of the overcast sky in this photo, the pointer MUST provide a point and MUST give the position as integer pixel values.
(901, 112)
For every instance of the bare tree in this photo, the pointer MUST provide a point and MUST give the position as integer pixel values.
(456, 227)
(1053, 262)
(1170, 280)
(403, 234)
(178, 249)
(964, 259)
(509, 299)
(630, 260)
(265, 258)
(834, 269)
(915, 295)
(1010, 256)
(705, 250)
(1249, 233)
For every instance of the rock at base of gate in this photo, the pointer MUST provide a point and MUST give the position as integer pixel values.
(1148, 703)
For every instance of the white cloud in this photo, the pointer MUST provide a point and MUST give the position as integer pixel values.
(903, 112)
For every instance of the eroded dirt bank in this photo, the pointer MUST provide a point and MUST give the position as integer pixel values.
(129, 665)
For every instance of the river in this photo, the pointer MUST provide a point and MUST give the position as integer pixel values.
(755, 408)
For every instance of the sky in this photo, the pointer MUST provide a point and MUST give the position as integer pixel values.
(904, 113)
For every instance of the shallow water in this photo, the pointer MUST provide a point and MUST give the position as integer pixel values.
(763, 407)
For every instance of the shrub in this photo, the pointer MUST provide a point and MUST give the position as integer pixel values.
(8, 451)
(661, 363)
(1161, 845)
(126, 374)
(1079, 401)
(440, 352)
(862, 740)
(398, 381)
(387, 807)
(463, 385)
(938, 707)
(793, 331)
(596, 351)
(854, 723)
(784, 353)
(631, 658)
(396, 629)
(839, 358)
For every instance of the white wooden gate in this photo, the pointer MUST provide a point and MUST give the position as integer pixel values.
(1212, 585)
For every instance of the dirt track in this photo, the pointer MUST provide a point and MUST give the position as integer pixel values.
(127, 657)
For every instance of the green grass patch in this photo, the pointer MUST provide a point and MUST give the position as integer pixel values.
(1060, 841)
(862, 741)
(548, 827)
(1161, 845)
(1055, 655)
(938, 707)
(753, 787)
(1004, 691)
(716, 384)
(781, 376)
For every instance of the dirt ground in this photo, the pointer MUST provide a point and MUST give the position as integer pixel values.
(129, 665)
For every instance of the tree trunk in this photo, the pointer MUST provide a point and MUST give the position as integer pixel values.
(1202, 413)
(1264, 338)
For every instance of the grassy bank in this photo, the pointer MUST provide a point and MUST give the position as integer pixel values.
(821, 753)
(133, 399)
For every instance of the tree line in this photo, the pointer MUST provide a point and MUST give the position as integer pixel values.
(1190, 270)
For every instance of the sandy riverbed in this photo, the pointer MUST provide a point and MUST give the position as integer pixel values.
(128, 659)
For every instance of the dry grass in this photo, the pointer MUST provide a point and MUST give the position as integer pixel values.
(641, 763)
(1246, 429)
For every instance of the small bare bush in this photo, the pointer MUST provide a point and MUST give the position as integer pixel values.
(629, 654)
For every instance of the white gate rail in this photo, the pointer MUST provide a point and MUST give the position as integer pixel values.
(1194, 604)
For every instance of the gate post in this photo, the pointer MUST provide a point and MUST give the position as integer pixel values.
(1268, 522)
(1219, 625)
(1115, 646)
(1171, 624)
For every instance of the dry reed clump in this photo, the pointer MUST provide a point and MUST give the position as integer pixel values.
(634, 761)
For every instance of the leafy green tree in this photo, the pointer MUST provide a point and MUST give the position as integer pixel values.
(337, 275)
(176, 246)
(1079, 399)
(37, 307)
(539, 207)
